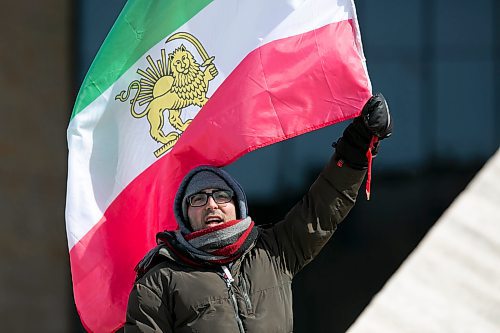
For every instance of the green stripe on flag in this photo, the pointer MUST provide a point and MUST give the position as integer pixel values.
(141, 25)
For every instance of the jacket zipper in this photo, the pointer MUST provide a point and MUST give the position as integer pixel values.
(228, 278)
(245, 295)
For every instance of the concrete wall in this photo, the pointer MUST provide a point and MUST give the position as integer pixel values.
(449, 283)
(35, 90)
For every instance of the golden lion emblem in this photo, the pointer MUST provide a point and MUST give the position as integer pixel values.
(171, 86)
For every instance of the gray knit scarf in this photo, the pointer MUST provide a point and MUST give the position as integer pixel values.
(212, 246)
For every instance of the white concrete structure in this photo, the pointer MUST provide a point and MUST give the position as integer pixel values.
(451, 282)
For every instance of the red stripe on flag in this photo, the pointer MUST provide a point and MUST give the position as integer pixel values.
(283, 89)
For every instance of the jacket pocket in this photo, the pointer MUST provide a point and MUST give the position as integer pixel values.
(201, 311)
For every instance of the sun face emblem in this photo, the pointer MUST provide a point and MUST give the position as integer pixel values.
(171, 85)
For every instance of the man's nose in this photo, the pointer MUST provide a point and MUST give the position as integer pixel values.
(211, 203)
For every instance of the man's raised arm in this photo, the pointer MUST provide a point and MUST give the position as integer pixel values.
(312, 221)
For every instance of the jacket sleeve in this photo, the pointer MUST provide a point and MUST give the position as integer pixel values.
(311, 222)
(146, 312)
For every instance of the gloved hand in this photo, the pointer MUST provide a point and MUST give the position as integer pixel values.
(375, 120)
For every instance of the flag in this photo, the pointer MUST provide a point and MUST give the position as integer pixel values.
(177, 84)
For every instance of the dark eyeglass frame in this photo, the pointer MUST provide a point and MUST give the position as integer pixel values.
(213, 195)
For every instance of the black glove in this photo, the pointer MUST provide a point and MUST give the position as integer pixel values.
(375, 120)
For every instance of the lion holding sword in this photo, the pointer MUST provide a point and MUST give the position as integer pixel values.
(171, 86)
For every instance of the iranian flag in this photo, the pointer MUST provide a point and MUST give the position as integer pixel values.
(178, 84)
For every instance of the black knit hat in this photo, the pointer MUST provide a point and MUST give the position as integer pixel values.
(201, 178)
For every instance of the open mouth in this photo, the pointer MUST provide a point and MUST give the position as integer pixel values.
(213, 220)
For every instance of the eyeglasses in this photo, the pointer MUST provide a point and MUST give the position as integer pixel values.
(201, 199)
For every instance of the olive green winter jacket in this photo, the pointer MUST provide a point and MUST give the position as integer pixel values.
(173, 297)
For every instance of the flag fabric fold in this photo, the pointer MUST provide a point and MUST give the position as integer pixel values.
(174, 87)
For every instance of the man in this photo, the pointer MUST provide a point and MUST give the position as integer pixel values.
(221, 273)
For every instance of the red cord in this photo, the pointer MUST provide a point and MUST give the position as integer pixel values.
(369, 156)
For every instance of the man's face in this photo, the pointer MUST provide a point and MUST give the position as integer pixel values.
(211, 214)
